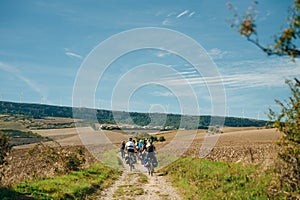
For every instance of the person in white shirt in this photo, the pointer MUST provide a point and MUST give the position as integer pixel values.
(130, 147)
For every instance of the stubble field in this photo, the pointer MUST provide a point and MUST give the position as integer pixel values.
(248, 145)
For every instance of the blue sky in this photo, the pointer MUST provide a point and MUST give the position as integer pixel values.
(44, 43)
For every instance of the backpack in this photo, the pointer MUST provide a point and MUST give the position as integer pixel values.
(122, 146)
(150, 148)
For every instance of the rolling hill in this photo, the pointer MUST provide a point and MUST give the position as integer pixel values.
(133, 118)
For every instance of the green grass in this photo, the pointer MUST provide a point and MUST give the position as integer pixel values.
(18, 133)
(204, 179)
(133, 186)
(12, 125)
(165, 159)
(142, 178)
(18, 137)
(9, 194)
(125, 190)
(75, 185)
(110, 158)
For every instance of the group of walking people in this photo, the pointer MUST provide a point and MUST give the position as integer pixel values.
(142, 149)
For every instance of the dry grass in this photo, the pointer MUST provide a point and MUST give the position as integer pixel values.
(40, 161)
(64, 137)
(233, 129)
(246, 144)
(250, 146)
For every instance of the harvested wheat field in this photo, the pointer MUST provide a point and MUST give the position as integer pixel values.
(249, 145)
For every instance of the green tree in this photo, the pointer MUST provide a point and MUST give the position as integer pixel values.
(285, 43)
(288, 120)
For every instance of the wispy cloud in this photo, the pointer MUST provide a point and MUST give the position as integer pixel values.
(16, 72)
(71, 54)
(245, 74)
(182, 14)
(162, 54)
(191, 14)
(162, 94)
(216, 53)
(173, 17)
(166, 22)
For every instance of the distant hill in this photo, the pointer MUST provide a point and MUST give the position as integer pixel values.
(109, 117)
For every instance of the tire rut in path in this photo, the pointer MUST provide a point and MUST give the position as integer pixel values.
(139, 185)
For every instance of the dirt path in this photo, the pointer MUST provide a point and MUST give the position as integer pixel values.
(137, 184)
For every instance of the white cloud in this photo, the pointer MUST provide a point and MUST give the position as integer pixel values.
(71, 54)
(74, 55)
(245, 74)
(171, 17)
(162, 94)
(182, 13)
(162, 54)
(191, 14)
(167, 22)
(216, 53)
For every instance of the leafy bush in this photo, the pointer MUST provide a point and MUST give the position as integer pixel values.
(214, 130)
(288, 122)
(42, 161)
(153, 138)
(61, 160)
(161, 139)
(4, 149)
(73, 162)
